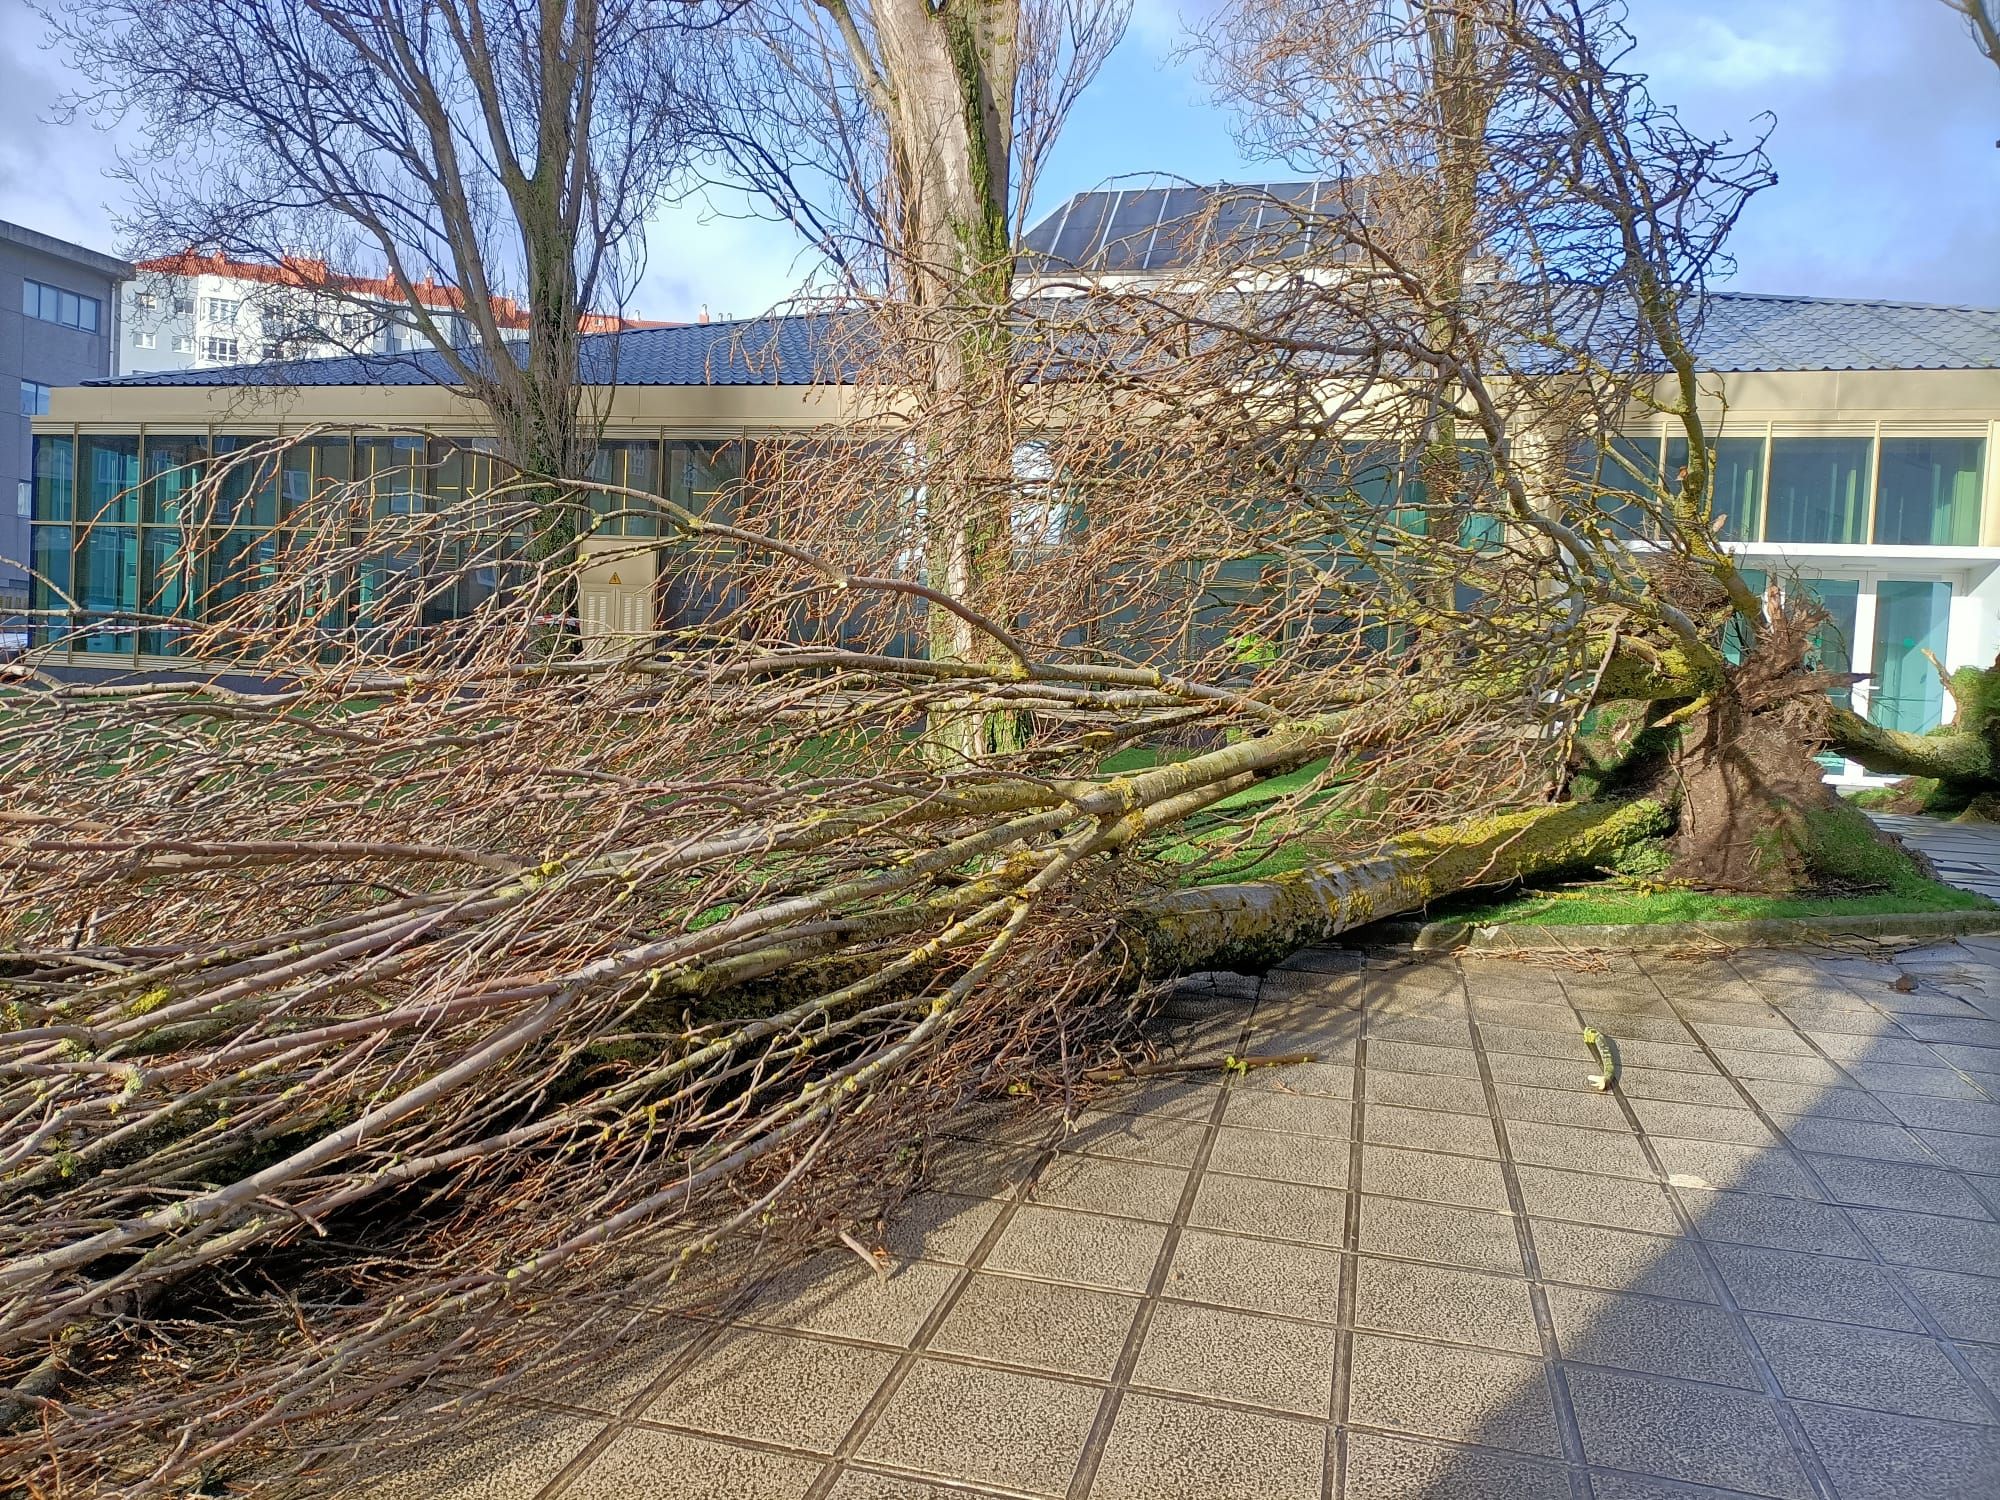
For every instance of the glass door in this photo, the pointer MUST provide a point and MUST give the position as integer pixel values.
(1912, 617)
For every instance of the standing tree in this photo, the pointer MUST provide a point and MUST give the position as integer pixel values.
(1983, 21)
(505, 149)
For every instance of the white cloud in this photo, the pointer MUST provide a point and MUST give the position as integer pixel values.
(1791, 43)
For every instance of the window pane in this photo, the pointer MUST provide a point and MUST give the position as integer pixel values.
(55, 478)
(1833, 643)
(1735, 638)
(1910, 619)
(239, 563)
(1928, 493)
(167, 585)
(108, 584)
(173, 469)
(1628, 477)
(246, 487)
(88, 310)
(1736, 484)
(1818, 489)
(51, 584)
(111, 478)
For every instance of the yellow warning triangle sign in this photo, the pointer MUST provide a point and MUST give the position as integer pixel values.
(613, 581)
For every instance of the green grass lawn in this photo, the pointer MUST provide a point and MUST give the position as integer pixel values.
(1620, 901)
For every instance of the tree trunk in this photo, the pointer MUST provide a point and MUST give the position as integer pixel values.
(1963, 758)
(1261, 921)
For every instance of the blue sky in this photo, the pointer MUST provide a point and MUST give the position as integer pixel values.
(1887, 118)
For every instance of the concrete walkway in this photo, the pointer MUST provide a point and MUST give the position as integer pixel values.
(1431, 1264)
(1966, 854)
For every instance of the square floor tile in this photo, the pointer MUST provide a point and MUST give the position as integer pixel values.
(836, 1294)
(1439, 1302)
(639, 1464)
(1163, 1142)
(1698, 1433)
(1619, 1260)
(1439, 1091)
(1673, 1087)
(1167, 1099)
(1227, 1270)
(944, 1227)
(1071, 1330)
(1559, 1107)
(1100, 1184)
(1784, 1067)
(1320, 1161)
(1701, 1122)
(1210, 1351)
(870, 1484)
(501, 1455)
(1874, 1456)
(1023, 1432)
(1742, 1169)
(1412, 1057)
(1810, 1099)
(1813, 1286)
(1461, 1395)
(1282, 1210)
(1971, 1115)
(1866, 1367)
(1497, 1035)
(1773, 1222)
(1432, 1178)
(1174, 1450)
(1874, 1184)
(1059, 1244)
(770, 1387)
(1301, 1114)
(1853, 1137)
(1384, 1467)
(1586, 1198)
(1578, 1150)
(1439, 1232)
(1330, 1076)
(1966, 1307)
(1970, 1153)
(1542, 1072)
(1651, 1335)
(1930, 1241)
(1430, 1130)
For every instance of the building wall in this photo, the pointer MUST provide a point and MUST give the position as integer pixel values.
(49, 353)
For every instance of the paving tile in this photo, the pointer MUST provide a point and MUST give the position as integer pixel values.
(1852, 1138)
(1985, 1362)
(836, 1294)
(1300, 1114)
(1059, 1244)
(1875, 1184)
(503, 1455)
(1844, 1049)
(639, 1464)
(944, 1227)
(1274, 1363)
(1813, 1286)
(1589, 1198)
(1325, 1079)
(1628, 1029)
(1929, 1241)
(1701, 1122)
(1874, 1456)
(1167, 1143)
(1966, 1307)
(1540, 1072)
(1812, 1099)
(1555, 1022)
(1439, 1302)
(1384, 1467)
(868, 1484)
(1282, 1210)
(1559, 1107)
(1298, 1281)
(1576, 1149)
(1462, 1395)
(1678, 1088)
(1699, 1433)
(1973, 1153)
(978, 1169)
(1968, 1116)
(996, 1427)
(1665, 1056)
(771, 1387)
(1438, 1232)
(1432, 1178)
(1318, 1160)
(1438, 1091)
(1172, 1099)
(1650, 1335)
(1773, 1222)
(1102, 1185)
(1608, 1486)
(603, 1366)
(1175, 1450)
(1530, 1041)
(1412, 1057)
(1745, 1169)
(1430, 1130)
(1900, 1078)
(1431, 1032)
(1752, 1038)
(1619, 1260)
(1783, 1066)
(1897, 1372)
(1067, 1329)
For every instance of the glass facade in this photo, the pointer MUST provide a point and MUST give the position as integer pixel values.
(128, 541)
(1911, 621)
